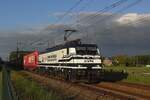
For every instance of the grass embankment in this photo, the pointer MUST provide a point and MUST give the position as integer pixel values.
(30, 90)
(140, 75)
(0, 84)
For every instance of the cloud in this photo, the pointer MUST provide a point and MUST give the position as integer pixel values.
(114, 33)
(127, 18)
(119, 33)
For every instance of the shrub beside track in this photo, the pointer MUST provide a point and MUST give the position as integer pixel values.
(28, 89)
(82, 91)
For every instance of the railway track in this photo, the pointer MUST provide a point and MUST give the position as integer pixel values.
(135, 85)
(103, 90)
(138, 91)
(121, 91)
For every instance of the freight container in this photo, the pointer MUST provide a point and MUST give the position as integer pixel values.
(31, 60)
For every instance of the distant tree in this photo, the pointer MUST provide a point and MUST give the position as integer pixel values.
(1, 61)
(120, 59)
(0, 58)
(138, 60)
(115, 61)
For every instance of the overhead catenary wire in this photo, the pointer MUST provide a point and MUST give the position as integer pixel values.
(140, 19)
(88, 3)
(61, 18)
(102, 11)
(119, 11)
(69, 10)
(65, 14)
(107, 8)
(113, 6)
(138, 22)
(105, 18)
(113, 14)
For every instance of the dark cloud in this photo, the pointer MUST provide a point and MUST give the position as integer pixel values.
(114, 34)
(122, 33)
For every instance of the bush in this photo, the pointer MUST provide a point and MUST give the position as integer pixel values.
(30, 90)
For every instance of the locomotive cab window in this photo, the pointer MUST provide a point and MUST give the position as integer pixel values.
(86, 50)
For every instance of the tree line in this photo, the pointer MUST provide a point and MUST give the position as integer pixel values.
(131, 60)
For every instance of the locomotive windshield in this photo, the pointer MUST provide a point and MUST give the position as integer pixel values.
(86, 50)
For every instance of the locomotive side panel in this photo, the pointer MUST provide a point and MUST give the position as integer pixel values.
(52, 57)
(69, 57)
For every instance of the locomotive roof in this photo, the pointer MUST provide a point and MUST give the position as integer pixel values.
(75, 43)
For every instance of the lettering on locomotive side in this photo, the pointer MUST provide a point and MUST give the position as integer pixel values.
(88, 60)
(52, 58)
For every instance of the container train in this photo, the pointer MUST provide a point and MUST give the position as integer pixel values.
(73, 60)
(16, 59)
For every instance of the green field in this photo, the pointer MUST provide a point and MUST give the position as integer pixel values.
(140, 75)
(30, 90)
(0, 85)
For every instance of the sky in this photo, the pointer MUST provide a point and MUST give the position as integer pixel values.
(26, 13)
(28, 20)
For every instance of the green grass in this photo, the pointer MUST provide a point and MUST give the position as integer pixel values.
(136, 74)
(30, 90)
(0, 85)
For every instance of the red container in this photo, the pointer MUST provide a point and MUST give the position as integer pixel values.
(31, 60)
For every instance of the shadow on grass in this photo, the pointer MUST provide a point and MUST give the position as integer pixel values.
(113, 76)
